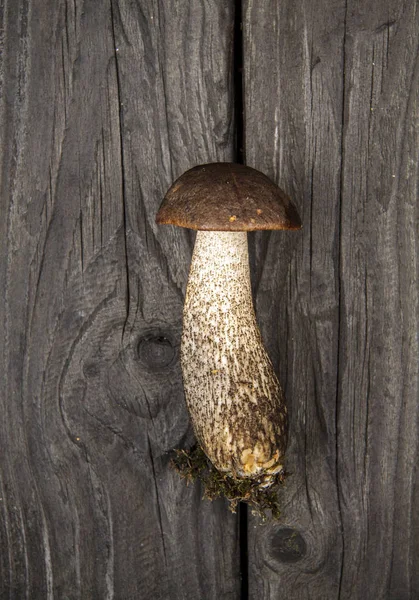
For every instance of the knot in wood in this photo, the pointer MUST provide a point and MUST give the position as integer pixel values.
(156, 351)
(288, 545)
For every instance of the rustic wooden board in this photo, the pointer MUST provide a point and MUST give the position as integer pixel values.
(103, 104)
(331, 105)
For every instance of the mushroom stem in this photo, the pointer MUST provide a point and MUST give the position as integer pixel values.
(233, 395)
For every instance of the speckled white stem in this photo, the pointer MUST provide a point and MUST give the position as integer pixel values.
(233, 395)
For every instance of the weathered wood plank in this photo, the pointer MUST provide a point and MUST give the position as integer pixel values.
(331, 114)
(378, 409)
(103, 104)
(293, 83)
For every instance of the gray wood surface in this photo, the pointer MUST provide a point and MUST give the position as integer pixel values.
(103, 104)
(331, 113)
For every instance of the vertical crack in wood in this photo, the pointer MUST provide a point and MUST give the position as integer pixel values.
(244, 550)
(238, 65)
(123, 172)
(339, 270)
(240, 157)
(160, 49)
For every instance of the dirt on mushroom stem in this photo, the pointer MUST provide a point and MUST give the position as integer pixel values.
(193, 465)
(234, 398)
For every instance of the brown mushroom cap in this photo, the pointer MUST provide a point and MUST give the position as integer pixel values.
(227, 197)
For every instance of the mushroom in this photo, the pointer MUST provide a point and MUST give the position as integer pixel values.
(233, 395)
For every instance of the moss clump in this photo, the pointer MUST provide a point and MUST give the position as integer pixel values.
(194, 465)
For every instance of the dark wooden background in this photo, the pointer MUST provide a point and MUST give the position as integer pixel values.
(103, 104)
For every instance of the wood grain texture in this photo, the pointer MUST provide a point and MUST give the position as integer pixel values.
(103, 104)
(331, 105)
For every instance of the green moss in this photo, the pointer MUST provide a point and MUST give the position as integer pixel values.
(194, 465)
